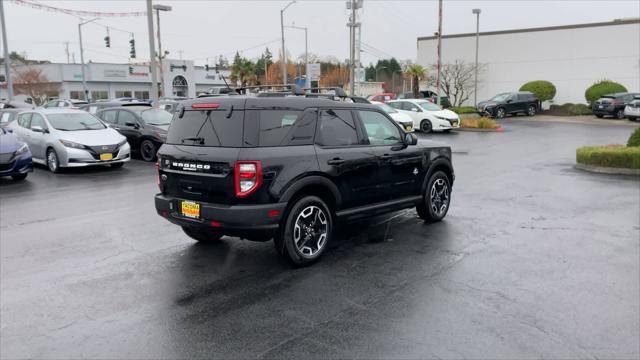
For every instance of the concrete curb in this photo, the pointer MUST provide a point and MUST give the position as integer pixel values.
(477, 130)
(607, 170)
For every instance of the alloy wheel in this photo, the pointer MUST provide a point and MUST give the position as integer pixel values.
(425, 126)
(310, 231)
(620, 114)
(439, 196)
(52, 161)
(532, 111)
(500, 113)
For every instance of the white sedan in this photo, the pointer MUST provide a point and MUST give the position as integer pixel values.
(403, 120)
(632, 110)
(426, 115)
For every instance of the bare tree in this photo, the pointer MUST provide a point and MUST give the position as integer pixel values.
(33, 83)
(457, 80)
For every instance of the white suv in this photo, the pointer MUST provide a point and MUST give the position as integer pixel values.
(426, 115)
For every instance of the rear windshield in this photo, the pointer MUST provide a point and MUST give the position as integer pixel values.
(207, 128)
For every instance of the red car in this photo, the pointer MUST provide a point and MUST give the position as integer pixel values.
(382, 97)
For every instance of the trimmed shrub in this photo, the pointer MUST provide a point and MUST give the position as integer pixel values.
(544, 90)
(570, 109)
(609, 156)
(464, 110)
(603, 87)
(482, 123)
(634, 139)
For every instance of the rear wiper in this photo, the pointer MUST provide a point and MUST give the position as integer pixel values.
(198, 140)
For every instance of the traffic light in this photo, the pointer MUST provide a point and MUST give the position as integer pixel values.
(132, 52)
(107, 41)
(206, 67)
(130, 69)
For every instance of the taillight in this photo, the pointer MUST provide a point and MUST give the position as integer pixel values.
(205, 106)
(248, 177)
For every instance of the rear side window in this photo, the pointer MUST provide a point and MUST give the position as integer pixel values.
(275, 125)
(25, 120)
(337, 128)
(109, 116)
(207, 128)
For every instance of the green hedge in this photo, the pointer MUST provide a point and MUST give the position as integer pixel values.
(543, 89)
(603, 87)
(618, 157)
(464, 110)
(573, 109)
(634, 139)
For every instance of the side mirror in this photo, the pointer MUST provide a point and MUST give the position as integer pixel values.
(509, 101)
(37, 129)
(132, 124)
(414, 109)
(410, 139)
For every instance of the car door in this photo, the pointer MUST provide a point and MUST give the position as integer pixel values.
(129, 126)
(22, 129)
(343, 156)
(414, 111)
(400, 167)
(38, 140)
(511, 104)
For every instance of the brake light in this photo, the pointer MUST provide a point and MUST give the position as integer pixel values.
(205, 106)
(248, 177)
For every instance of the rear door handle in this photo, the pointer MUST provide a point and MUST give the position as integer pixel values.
(385, 157)
(336, 161)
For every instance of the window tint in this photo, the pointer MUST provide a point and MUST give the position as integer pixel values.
(125, 117)
(379, 129)
(396, 105)
(207, 128)
(337, 128)
(409, 106)
(275, 125)
(108, 116)
(25, 120)
(37, 120)
(5, 117)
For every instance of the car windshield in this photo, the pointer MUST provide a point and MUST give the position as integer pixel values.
(500, 97)
(75, 121)
(156, 117)
(388, 109)
(429, 106)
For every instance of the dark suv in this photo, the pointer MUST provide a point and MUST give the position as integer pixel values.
(505, 104)
(612, 105)
(289, 168)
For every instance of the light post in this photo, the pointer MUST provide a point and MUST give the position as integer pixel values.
(7, 60)
(377, 70)
(475, 91)
(84, 79)
(306, 54)
(152, 56)
(158, 8)
(284, 55)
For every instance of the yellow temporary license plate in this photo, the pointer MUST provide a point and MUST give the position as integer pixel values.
(104, 157)
(190, 209)
(408, 128)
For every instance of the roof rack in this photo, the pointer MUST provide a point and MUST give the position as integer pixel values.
(285, 89)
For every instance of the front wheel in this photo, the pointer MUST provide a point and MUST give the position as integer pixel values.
(52, 161)
(305, 232)
(620, 114)
(425, 126)
(500, 113)
(436, 200)
(531, 110)
(203, 235)
(19, 177)
(147, 150)
(599, 116)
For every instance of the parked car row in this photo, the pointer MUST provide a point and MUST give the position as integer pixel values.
(615, 105)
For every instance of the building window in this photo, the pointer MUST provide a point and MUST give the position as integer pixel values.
(99, 95)
(142, 95)
(121, 94)
(76, 95)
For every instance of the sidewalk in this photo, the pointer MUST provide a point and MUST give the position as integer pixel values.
(585, 119)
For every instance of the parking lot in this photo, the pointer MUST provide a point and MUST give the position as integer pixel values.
(535, 259)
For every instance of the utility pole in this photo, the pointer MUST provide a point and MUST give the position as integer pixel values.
(439, 66)
(158, 8)
(84, 78)
(152, 55)
(352, 53)
(284, 52)
(5, 50)
(475, 91)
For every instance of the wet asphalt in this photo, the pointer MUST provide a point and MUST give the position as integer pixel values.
(535, 260)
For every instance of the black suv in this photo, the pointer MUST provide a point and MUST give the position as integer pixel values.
(289, 168)
(505, 104)
(612, 105)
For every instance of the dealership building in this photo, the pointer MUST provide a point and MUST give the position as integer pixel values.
(572, 57)
(105, 81)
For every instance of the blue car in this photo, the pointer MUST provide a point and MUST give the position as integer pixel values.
(15, 157)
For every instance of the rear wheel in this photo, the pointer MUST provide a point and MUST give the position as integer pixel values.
(425, 126)
(19, 177)
(52, 161)
(148, 150)
(599, 116)
(306, 230)
(620, 114)
(632, 118)
(201, 234)
(436, 200)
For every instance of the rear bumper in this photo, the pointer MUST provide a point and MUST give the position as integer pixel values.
(606, 111)
(236, 219)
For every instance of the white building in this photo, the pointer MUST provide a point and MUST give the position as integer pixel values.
(104, 81)
(572, 57)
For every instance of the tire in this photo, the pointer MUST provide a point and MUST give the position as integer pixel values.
(599, 116)
(620, 114)
(52, 161)
(425, 126)
(500, 113)
(631, 118)
(19, 177)
(148, 150)
(202, 234)
(531, 110)
(309, 220)
(117, 165)
(433, 211)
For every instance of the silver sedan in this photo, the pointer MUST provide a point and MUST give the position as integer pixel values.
(61, 138)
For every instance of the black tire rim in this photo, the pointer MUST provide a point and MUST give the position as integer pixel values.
(439, 197)
(147, 150)
(532, 111)
(425, 126)
(500, 113)
(620, 114)
(52, 161)
(310, 231)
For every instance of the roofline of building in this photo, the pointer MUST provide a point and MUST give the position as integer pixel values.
(547, 28)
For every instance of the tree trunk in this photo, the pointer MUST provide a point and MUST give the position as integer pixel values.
(416, 87)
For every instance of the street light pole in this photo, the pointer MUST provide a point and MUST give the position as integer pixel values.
(475, 91)
(284, 54)
(306, 54)
(439, 49)
(158, 8)
(84, 78)
(5, 50)
(152, 56)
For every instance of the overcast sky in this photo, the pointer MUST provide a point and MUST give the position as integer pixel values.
(206, 29)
